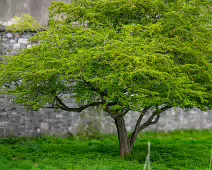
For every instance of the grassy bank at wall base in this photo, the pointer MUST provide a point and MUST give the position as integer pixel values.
(179, 150)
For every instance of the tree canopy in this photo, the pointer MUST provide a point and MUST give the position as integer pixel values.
(120, 55)
(139, 53)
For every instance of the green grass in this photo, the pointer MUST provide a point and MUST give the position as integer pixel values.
(183, 150)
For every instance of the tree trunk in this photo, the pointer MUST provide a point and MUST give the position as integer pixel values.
(132, 139)
(124, 143)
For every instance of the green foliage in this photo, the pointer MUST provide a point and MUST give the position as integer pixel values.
(180, 150)
(24, 23)
(138, 53)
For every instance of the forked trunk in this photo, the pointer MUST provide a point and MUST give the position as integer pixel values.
(124, 143)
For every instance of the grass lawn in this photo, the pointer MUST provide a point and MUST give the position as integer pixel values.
(184, 150)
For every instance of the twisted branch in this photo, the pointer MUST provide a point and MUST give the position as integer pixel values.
(60, 104)
(150, 120)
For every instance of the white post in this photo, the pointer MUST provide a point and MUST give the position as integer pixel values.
(210, 160)
(147, 163)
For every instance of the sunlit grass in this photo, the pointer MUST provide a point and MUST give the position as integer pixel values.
(177, 150)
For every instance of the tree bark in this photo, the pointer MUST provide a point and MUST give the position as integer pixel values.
(127, 143)
(132, 140)
(124, 143)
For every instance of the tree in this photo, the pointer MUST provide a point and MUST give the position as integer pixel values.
(121, 55)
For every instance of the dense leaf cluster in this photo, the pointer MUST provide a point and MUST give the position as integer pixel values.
(124, 54)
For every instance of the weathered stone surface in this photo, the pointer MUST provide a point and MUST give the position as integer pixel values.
(29, 46)
(9, 35)
(15, 121)
(16, 46)
(23, 41)
(11, 43)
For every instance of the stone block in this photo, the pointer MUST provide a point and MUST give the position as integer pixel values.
(4, 124)
(29, 46)
(73, 129)
(15, 117)
(17, 35)
(26, 35)
(6, 46)
(23, 41)
(44, 126)
(22, 121)
(23, 46)
(13, 41)
(2, 132)
(59, 115)
(4, 39)
(16, 46)
(9, 35)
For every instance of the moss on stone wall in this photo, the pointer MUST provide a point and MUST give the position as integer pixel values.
(24, 23)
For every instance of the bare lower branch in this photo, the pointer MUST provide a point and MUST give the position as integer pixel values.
(140, 118)
(60, 104)
(150, 120)
(133, 136)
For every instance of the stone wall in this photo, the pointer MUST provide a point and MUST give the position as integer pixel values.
(38, 9)
(12, 43)
(16, 121)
